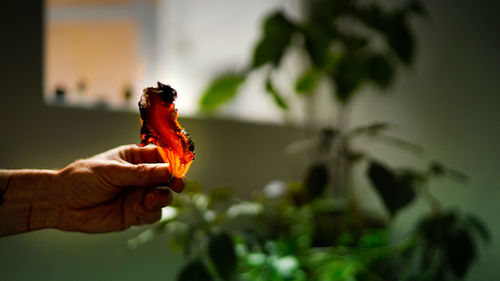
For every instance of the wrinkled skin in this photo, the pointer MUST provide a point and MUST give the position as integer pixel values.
(114, 190)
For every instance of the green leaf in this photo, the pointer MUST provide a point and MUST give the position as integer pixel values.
(220, 91)
(460, 253)
(479, 227)
(373, 16)
(438, 169)
(221, 251)
(316, 180)
(435, 228)
(376, 130)
(278, 32)
(324, 11)
(348, 77)
(195, 270)
(276, 96)
(307, 82)
(400, 143)
(448, 242)
(370, 129)
(396, 191)
(317, 40)
(417, 8)
(394, 27)
(340, 269)
(380, 71)
(400, 38)
(354, 42)
(373, 238)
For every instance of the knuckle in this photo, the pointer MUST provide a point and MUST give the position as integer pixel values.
(142, 170)
(80, 164)
(124, 147)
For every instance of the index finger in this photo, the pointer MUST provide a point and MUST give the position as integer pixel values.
(137, 155)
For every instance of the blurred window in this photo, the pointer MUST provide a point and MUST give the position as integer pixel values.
(102, 53)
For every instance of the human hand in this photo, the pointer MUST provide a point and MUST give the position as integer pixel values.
(113, 190)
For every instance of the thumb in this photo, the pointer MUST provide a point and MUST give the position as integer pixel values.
(142, 174)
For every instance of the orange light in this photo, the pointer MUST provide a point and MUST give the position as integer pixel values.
(160, 127)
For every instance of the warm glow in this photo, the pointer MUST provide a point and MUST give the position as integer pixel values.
(177, 167)
(160, 127)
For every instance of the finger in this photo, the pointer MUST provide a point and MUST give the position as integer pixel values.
(145, 216)
(132, 207)
(141, 175)
(177, 184)
(151, 216)
(112, 154)
(156, 198)
(136, 155)
(139, 208)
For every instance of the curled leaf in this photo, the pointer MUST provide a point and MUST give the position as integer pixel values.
(317, 39)
(460, 253)
(307, 82)
(276, 95)
(380, 71)
(349, 75)
(400, 38)
(278, 32)
(220, 91)
(396, 191)
(316, 180)
(194, 270)
(478, 226)
(223, 256)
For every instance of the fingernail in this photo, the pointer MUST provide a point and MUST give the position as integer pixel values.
(177, 184)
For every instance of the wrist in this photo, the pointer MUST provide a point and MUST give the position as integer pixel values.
(30, 201)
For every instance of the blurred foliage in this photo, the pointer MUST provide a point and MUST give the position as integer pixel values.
(279, 101)
(348, 43)
(288, 232)
(222, 90)
(300, 230)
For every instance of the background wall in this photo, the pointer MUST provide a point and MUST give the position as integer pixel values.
(447, 103)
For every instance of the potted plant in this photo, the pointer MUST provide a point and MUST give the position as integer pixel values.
(316, 229)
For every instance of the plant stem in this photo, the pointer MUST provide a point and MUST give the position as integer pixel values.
(341, 166)
(434, 203)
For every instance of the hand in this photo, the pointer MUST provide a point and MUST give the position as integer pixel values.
(114, 190)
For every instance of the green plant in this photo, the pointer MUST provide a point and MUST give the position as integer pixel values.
(315, 229)
(283, 235)
(346, 43)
